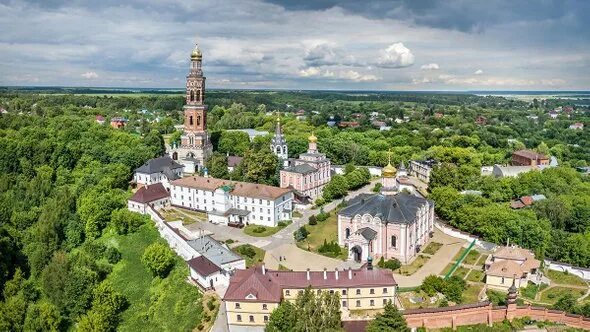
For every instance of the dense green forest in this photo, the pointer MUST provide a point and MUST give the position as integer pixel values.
(70, 254)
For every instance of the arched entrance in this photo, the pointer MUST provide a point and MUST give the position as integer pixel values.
(357, 253)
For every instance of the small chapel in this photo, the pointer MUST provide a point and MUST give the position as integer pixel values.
(394, 223)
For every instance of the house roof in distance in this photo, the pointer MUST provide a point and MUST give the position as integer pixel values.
(529, 154)
(399, 208)
(214, 251)
(233, 161)
(244, 189)
(150, 193)
(157, 165)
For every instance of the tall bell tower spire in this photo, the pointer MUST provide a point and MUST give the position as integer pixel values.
(195, 147)
(278, 143)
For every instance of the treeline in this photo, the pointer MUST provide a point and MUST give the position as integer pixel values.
(557, 228)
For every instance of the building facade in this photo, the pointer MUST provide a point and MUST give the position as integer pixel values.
(309, 174)
(232, 202)
(254, 293)
(511, 265)
(422, 169)
(154, 195)
(529, 158)
(391, 224)
(195, 145)
(158, 170)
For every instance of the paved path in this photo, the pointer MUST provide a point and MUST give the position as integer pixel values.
(437, 262)
(220, 324)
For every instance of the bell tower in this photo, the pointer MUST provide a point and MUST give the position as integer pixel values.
(195, 145)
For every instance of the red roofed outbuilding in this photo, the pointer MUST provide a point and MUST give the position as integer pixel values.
(155, 195)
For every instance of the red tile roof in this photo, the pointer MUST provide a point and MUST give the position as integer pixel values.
(527, 200)
(203, 266)
(150, 193)
(268, 286)
(529, 154)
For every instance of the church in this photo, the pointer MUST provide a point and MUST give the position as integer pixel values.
(391, 224)
(195, 144)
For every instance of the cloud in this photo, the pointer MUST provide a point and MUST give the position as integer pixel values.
(90, 75)
(430, 66)
(348, 75)
(478, 72)
(396, 55)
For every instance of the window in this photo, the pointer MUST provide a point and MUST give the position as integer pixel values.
(265, 319)
(239, 318)
(347, 233)
(251, 319)
(288, 292)
(358, 292)
(372, 303)
(358, 303)
(331, 291)
(384, 301)
(372, 291)
(384, 290)
(264, 306)
(237, 306)
(300, 291)
(344, 292)
(190, 120)
(502, 280)
(343, 304)
(393, 241)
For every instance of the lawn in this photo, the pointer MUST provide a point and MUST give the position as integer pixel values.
(432, 248)
(326, 230)
(460, 272)
(151, 299)
(476, 276)
(251, 254)
(410, 269)
(262, 231)
(471, 293)
(552, 294)
(471, 257)
(564, 278)
(405, 300)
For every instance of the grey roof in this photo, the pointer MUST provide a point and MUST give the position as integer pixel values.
(399, 208)
(233, 161)
(214, 251)
(302, 169)
(157, 165)
(539, 197)
(367, 233)
(502, 171)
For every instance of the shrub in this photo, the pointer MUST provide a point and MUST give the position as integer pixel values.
(322, 216)
(247, 250)
(330, 248)
(284, 223)
(206, 318)
(229, 241)
(125, 221)
(320, 201)
(259, 229)
(392, 264)
(313, 220)
(200, 327)
(377, 187)
(159, 259)
(211, 305)
(113, 255)
(300, 234)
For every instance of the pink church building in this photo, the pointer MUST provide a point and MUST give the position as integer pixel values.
(390, 224)
(309, 174)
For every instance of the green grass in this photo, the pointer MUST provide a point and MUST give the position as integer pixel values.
(297, 214)
(414, 266)
(476, 276)
(447, 269)
(471, 293)
(471, 257)
(552, 294)
(324, 230)
(257, 258)
(564, 278)
(529, 292)
(432, 248)
(460, 272)
(261, 231)
(155, 304)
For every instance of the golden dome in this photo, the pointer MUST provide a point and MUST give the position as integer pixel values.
(312, 138)
(389, 171)
(196, 54)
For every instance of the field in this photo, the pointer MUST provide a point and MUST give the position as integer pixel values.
(155, 304)
(326, 230)
(551, 295)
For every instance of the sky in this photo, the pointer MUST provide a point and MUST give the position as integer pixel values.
(304, 44)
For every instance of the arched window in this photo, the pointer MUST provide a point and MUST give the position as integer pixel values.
(190, 120)
(347, 233)
(192, 95)
(198, 120)
(393, 241)
(198, 95)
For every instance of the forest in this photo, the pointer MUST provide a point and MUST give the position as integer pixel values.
(70, 252)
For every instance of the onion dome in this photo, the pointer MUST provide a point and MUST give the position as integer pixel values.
(389, 171)
(312, 138)
(196, 54)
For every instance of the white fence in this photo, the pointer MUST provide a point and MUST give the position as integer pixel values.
(373, 170)
(174, 239)
(562, 267)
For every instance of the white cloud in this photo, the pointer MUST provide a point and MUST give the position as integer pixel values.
(430, 66)
(348, 75)
(478, 72)
(356, 76)
(396, 56)
(90, 75)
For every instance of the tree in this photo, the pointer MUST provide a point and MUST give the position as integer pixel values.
(159, 259)
(336, 188)
(282, 319)
(155, 141)
(236, 143)
(217, 166)
(43, 317)
(125, 221)
(390, 320)
(260, 167)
